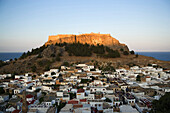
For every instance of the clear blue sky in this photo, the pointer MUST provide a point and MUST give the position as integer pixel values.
(144, 25)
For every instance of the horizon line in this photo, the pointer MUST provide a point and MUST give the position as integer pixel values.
(27, 51)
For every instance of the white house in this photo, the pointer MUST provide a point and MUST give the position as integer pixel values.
(127, 109)
(90, 96)
(46, 88)
(97, 103)
(10, 109)
(80, 94)
(42, 108)
(97, 82)
(166, 89)
(98, 89)
(54, 70)
(18, 90)
(129, 98)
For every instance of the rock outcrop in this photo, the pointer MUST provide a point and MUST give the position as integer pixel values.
(92, 39)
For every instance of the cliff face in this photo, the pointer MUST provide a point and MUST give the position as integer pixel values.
(92, 39)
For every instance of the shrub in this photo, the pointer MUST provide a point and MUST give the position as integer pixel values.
(84, 80)
(41, 99)
(58, 58)
(2, 91)
(44, 93)
(125, 53)
(78, 49)
(37, 90)
(39, 56)
(33, 52)
(59, 54)
(52, 55)
(161, 105)
(46, 75)
(65, 64)
(149, 65)
(43, 62)
(132, 52)
(121, 49)
(34, 68)
(136, 55)
(108, 100)
(138, 78)
(2, 63)
(53, 73)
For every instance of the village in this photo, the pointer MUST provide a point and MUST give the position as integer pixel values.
(83, 88)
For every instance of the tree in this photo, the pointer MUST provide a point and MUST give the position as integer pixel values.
(39, 56)
(37, 90)
(149, 65)
(93, 78)
(125, 53)
(132, 52)
(72, 95)
(161, 105)
(46, 75)
(121, 49)
(58, 58)
(136, 55)
(33, 52)
(53, 73)
(53, 55)
(44, 93)
(47, 67)
(84, 80)
(60, 106)
(2, 63)
(34, 68)
(2, 91)
(108, 100)
(34, 76)
(65, 64)
(41, 99)
(138, 78)
(60, 54)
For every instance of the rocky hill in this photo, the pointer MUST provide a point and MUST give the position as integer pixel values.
(100, 50)
(91, 39)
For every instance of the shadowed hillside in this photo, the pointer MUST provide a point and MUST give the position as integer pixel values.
(54, 54)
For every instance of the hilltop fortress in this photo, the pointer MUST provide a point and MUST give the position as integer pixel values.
(91, 39)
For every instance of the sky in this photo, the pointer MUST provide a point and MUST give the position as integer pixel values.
(144, 25)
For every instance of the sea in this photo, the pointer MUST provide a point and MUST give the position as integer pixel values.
(165, 56)
(8, 56)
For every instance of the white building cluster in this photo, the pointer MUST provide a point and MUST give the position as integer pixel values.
(84, 89)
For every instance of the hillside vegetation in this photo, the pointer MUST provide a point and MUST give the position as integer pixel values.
(45, 57)
(78, 49)
(53, 56)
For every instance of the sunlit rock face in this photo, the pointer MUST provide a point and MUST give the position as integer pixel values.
(92, 39)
